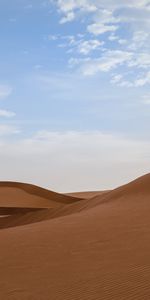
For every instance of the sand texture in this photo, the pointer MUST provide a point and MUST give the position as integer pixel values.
(79, 247)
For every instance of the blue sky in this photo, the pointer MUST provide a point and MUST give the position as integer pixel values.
(74, 92)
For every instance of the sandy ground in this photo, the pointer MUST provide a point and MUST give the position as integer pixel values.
(92, 249)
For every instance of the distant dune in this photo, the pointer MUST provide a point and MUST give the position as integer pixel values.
(59, 247)
(86, 195)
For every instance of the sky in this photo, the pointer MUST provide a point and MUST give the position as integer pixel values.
(74, 92)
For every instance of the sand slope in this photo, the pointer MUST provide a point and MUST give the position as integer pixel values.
(15, 194)
(100, 252)
(86, 195)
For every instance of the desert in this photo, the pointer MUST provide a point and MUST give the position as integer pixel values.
(87, 248)
(74, 150)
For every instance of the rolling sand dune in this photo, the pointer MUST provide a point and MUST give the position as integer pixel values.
(13, 194)
(92, 249)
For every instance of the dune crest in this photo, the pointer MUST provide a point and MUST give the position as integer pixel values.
(135, 190)
(18, 194)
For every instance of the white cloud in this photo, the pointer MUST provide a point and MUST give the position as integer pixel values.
(109, 61)
(146, 99)
(5, 91)
(113, 37)
(98, 28)
(6, 130)
(52, 37)
(6, 113)
(87, 46)
(126, 22)
(68, 18)
(140, 60)
(65, 161)
(104, 21)
(77, 43)
(139, 82)
(103, 9)
(116, 78)
(122, 41)
(145, 79)
(67, 6)
(140, 38)
(80, 44)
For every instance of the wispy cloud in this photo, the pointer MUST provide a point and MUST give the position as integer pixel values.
(5, 91)
(6, 113)
(142, 80)
(80, 45)
(7, 130)
(98, 28)
(108, 61)
(122, 26)
(87, 46)
(69, 17)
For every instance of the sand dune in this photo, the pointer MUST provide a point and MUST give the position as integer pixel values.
(15, 194)
(86, 195)
(22, 204)
(139, 189)
(91, 249)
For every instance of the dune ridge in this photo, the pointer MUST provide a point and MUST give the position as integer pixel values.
(86, 195)
(15, 194)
